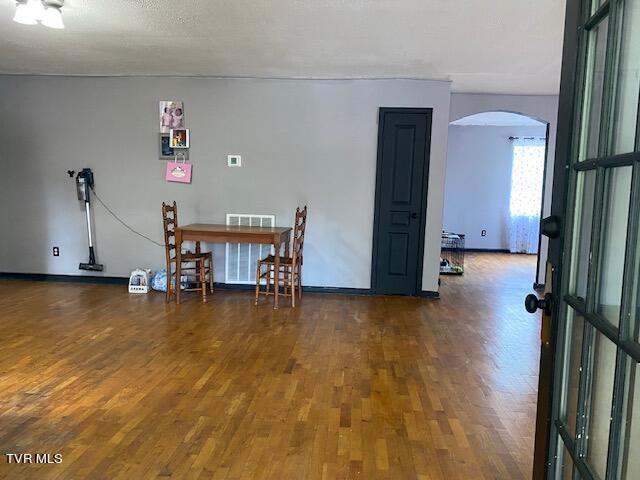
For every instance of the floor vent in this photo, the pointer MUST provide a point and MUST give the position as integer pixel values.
(241, 258)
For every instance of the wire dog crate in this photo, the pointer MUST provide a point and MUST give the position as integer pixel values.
(452, 253)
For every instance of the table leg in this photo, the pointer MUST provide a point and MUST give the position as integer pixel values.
(287, 241)
(178, 264)
(198, 264)
(276, 279)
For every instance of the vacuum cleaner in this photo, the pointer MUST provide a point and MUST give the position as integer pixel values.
(84, 183)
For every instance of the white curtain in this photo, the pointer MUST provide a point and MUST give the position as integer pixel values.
(526, 194)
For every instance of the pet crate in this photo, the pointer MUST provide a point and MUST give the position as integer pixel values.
(139, 281)
(452, 253)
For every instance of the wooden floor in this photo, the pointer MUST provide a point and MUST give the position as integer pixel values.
(344, 387)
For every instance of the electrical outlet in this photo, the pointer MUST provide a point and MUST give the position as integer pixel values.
(56, 251)
(483, 233)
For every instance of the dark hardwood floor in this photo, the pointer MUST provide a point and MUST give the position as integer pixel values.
(127, 387)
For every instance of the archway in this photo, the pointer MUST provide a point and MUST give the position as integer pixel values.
(494, 196)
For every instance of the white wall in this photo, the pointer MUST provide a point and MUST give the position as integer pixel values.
(540, 107)
(302, 141)
(478, 182)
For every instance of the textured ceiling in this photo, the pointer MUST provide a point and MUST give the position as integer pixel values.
(497, 46)
(501, 119)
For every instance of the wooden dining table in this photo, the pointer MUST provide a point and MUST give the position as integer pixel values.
(217, 233)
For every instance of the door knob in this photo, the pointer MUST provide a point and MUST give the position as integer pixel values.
(414, 215)
(550, 226)
(532, 303)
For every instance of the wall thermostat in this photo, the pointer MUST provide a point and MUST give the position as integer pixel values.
(234, 161)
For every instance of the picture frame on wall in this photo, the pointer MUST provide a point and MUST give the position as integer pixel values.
(179, 138)
(171, 115)
(166, 152)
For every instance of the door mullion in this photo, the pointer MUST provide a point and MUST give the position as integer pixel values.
(584, 390)
(584, 396)
(593, 19)
(579, 464)
(617, 416)
(599, 199)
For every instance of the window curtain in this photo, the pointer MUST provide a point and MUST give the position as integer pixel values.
(526, 194)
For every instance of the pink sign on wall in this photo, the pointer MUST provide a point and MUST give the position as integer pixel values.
(178, 172)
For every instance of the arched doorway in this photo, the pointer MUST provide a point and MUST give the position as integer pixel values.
(494, 197)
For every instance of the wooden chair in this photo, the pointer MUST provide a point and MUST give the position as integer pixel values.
(290, 266)
(197, 267)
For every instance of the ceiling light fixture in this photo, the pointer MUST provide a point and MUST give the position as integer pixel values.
(23, 15)
(32, 12)
(35, 9)
(53, 17)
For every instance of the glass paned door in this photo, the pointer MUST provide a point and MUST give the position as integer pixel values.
(596, 413)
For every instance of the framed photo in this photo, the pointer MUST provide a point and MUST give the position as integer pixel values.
(179, 138)
(166, 152)
(171, 115)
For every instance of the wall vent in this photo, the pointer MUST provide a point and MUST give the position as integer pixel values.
(241, 258)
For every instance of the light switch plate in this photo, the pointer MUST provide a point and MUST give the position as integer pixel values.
(234, 161)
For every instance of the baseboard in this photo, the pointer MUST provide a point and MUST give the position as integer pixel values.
(308, 289)
(429, 294)
(339, 290)
(45, 277)
(487, 250)
(325, 290)
(234, 286)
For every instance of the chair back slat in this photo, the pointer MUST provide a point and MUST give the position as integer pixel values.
(299, 228)
(170, 222)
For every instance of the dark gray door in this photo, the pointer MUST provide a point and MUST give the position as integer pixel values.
(404, 137)
(593, 426)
